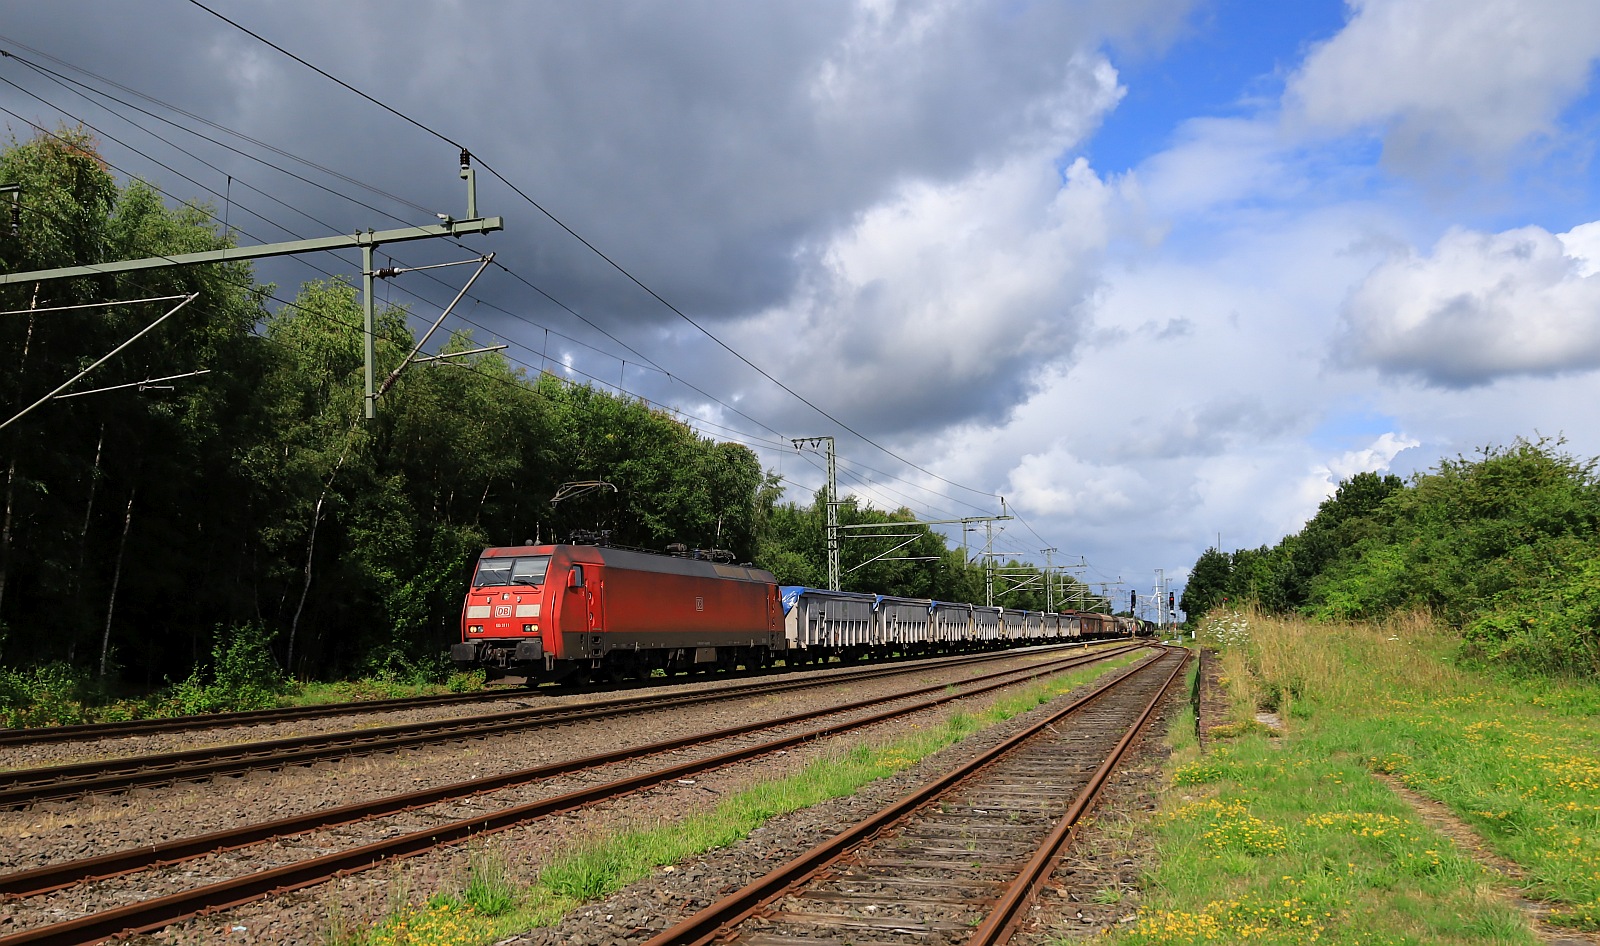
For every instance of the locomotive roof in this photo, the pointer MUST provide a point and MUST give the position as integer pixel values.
(639, 561)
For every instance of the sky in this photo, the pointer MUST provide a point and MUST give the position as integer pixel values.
(1160, 273)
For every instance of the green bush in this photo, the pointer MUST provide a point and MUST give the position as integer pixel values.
(51, 695)
(1553, 629)
(465, 681)
(1504, 546)
(392, 664)
(243, 676)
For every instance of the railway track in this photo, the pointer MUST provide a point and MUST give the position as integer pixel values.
(158, 912)
(22, 787)
(141, 727)
(957, 860)
(213, 721)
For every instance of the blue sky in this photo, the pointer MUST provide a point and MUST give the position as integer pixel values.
(1226, 60)
(1150, 269)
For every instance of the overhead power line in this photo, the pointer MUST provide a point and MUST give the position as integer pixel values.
(332, 78)
(348, 179)
(85, 90)
(592, 248)
(642, 361)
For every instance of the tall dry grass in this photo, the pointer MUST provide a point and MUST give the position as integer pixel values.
(1273, 662)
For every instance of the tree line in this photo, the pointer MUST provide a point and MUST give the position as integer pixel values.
(138, 527)
(1503, 545)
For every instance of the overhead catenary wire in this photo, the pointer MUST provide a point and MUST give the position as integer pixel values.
(141, 385)
(332, 78)
(85, 90)
(348, 179)
(290, 304)
(566, 368)
(197, 183)
(523, 388)
(649, 402)
(75, 86)
(646, 362)
(618, 267)
(591, 247)
(87, 305)
(102, 360)
(867, 488)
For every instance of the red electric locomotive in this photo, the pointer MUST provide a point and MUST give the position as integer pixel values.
(554, 611)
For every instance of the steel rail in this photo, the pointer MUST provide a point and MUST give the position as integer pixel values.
(40, 880)
(133, 727)
(21, 787)
(1008, 911)
(155, 914)
(712, 922)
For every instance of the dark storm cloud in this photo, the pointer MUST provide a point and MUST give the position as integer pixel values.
(714, 149)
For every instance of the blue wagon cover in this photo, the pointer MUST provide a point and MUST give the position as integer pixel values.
(791, 594)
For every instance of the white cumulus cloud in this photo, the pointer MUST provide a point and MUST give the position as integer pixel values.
(944, 303)
(1371, 458)
(1447, 80)
(1325, 478)
(1480, 307)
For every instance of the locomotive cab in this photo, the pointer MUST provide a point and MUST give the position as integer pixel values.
(511, 605)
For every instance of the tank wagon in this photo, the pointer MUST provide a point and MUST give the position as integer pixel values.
(553, 611)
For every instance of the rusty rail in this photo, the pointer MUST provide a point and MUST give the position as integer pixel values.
(155, 914)
(716, 921)
(20, 787)
(1008, 911)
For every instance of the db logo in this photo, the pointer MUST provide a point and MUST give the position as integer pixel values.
(502, 610)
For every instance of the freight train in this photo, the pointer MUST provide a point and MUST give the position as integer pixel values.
(553, 612)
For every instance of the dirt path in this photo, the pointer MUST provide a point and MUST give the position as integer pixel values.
(1468, 842)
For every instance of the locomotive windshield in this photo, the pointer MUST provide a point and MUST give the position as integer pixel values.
(523, 570)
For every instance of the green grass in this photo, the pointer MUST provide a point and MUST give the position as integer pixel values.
(1525, 778)
(604, 865)
(380, 688)
(1293, 839)
(55, 695)
(1290, 841)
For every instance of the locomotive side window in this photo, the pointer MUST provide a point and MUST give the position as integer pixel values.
(523, 570)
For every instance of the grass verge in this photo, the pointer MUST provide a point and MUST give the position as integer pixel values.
(239, 679)
(602, 866)
(1292, 839)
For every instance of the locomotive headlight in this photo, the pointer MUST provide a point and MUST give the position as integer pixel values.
(475, 629)
(529, 628)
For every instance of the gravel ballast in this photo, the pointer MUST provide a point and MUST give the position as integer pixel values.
(57, 831)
